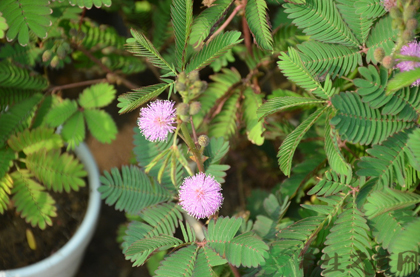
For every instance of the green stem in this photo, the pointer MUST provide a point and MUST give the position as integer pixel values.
(193, 148)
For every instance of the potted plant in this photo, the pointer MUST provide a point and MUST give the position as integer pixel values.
(48, 177)
(349, 106)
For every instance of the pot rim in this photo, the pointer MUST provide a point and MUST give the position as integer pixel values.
(86, 228)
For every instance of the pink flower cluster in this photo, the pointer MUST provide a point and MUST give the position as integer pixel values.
(200, 195)
(157, 119)
(411, 49)
(388, 4)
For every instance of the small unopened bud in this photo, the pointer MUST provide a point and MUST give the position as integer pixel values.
(397, 24)
(198, 84)
(108, 50)
(182, 78)
(195, 107)
(80, 35)
(194, 76)
(388, 62)
(379, 54)
(106, 61)
(204, 87)
(411, 24)
(55, 61)
(407, 35)
(61, 52)
(180, 86)
(395, 13)
(203, 140)
(182, 109)
(46, 56)
(111, 78)
(409, 13)
(185, 118)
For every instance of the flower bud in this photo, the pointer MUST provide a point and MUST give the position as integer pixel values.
(379, 54)
(397, 24)
(407, 35)
(182, 78)
(388, 62)
(412, 24)
(395, 13)
(194, 76)
(409, 13)
(46, 56)
(204, 86)
(180, 86)
(203, 140)
(55, 61)
(80, 35)
(61, 52)
(198, 84)
(182, 109)
(195, 107)
(106, 61)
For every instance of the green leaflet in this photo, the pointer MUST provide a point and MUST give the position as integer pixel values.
(256, 17)
(3, 26)
(224, 123)
(289, 145)
(7, 156)
(30, 199)
(97, 96)
(180, 263)
(161, 18)
(153, 244)
(30, 141)
(89, 3)
(413, 149)
(181, 14)
(278, 104)
(321, 20)
(101, 125)
(369, 8)
(358, 123)
(381, 35)
(207, 22)
(402, 79)
(141, 46)
(14, 77)
(22, 55)
(73, 131)
(6, 185)
(254, 128)
(132, 100)
(215, 151)
(25, 15)
(213, 49)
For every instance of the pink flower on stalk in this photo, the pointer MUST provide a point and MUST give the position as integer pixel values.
(388, 4)
(411, 49)
(200, 195)
(157, 119)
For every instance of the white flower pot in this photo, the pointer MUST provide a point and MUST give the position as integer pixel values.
(66, 261)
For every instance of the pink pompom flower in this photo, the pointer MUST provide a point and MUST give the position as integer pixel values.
(157, 119)
(388, 4)
(200, 195)
(411, 49)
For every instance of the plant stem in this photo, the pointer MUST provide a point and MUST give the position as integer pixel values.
(193, 131)
(78, 84)
(228, 20)
(193, 148)
(234, 270)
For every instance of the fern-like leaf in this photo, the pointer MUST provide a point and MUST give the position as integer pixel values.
(380, 202)
(405, 248)
(336, 159)
(225, 123)
(256, 16)
(55, 171)
(132, 100)
(153, 244)
(30, 141)
(179, 264)
(158, 219)
(387, 161)
(16, 118)
(7, 155)
(413, 149)
(6, 185)
(88, 4)
(181, 14)
(369, 8)
(215, 151)
(331, 184)
(214, 49)
(221, 231)
(321, 20)
(12, 76)
(289, 145)
(131, 190)
(101, 125)
(401, 80)
(254, 128)
(30, 199)
(335, 59)
(382, 35)
(141, 46)
(292, 67)
(25, 15)
(19, 54)
(348, 239)
(61, 113)
(161, 19)
(358, 123)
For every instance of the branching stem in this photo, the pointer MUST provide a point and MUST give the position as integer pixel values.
(193, 148)
(228, 20)
(78, 84)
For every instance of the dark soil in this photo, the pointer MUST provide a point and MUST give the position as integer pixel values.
(15, 251)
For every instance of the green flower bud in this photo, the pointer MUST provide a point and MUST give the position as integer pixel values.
(395, 13)
(194, 76)
(204, 87)
(409, 13)
(182, 78)
(203, 140)
(412, 24)
(180, 86)
(182, 109)
(397, 24)
(61, 52)
(46, 56)
(388, 62)
(55, 61)
(198, 84)
(185, 118)
(106, 61)
(379, 54)
(195, 107)
(80, 35)
(407, 35)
